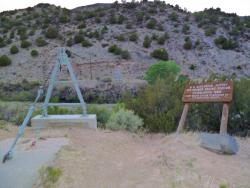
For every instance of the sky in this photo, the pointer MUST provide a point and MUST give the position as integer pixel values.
(241, 7)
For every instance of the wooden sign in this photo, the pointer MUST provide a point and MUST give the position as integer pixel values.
(208, 92)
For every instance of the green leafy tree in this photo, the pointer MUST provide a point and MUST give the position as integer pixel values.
(161, 69)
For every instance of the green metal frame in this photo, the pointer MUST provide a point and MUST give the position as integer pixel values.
(62, 59)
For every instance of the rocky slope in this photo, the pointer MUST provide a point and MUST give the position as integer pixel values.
(193, 40)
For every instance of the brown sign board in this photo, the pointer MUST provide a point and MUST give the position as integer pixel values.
(208, 92)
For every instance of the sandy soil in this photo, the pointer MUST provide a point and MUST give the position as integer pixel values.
(120, 159)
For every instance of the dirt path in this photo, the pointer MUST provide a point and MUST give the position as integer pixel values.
(105, 159)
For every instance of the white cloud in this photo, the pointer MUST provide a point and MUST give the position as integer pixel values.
(240, 7)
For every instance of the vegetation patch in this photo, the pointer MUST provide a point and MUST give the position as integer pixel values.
(160, 53)
(49, 176)
(14, 50)
(4, 60)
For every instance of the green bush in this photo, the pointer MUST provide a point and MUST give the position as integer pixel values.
(124, 120)
(51, 32)
(114, 49)
(34, 53)
(25, 44)
(185, 29)
(160, 53)
(133, 37)
(159, 105)
(161, 40)
(173, 16)
(4, 60)
(210, 31)
(49, 176)
(86, 43)
(187, 44)
(63, 19)
(120, 37)
(78, 38)
(161, 69)
(103, 114)
(147, 42)
(70, 42)
(41, 42)
(224, 43)
(125, 54)
(14, 50)
(151, 24)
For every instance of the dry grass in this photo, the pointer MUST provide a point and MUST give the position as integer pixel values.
(120, 159)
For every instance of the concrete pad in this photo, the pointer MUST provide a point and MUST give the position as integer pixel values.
(22, 170)
(88, 121)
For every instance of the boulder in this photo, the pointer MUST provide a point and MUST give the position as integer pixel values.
(219, 143)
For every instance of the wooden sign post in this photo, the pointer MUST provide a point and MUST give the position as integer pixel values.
(208, 92)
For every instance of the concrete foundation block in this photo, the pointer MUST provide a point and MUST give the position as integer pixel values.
(87, 121)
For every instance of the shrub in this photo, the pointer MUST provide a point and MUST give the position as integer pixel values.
(125, 54)
(34, 53)
(14, 50)
(173, 16)
(4, 60)
(120, 19)
(114, 49)
(25, 44)
(160, 53)
(78, 38)
(159, 105)
(210, 31)
(70, 42)
(41, 42)
(49, 175)
(133, 37)
(147, 42)
(161, 69)
(120, 37)
(188, 44)
(51, 32)
(63, 19)
(124, 120)
(192, 67)
(151, 24)
(185, 29)
(161, 40)
(103, 114)
(86, 43)
(224, 43)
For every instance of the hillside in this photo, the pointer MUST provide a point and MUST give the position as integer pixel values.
(119, 39)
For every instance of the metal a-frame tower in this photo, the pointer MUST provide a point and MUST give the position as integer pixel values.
(62, 59)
